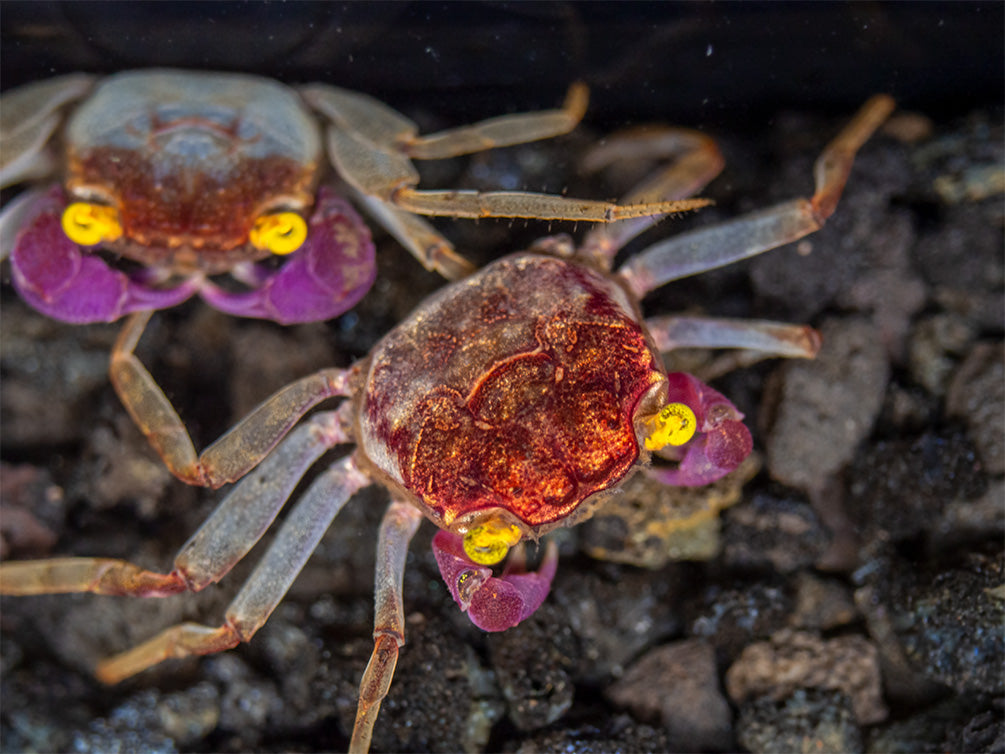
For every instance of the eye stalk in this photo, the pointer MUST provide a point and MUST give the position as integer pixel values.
(279, 232)
(674, 425)
(488, 542)
(89, 224)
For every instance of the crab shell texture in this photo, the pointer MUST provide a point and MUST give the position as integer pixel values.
(515, 391)
(191, 161)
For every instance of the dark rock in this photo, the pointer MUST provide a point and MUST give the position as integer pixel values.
(947, 617)
(731, 617)
(617, 734)
(977, 395)
(949, 725)
(533, 662)
(901, 488)
(827, 406)
(615, 612)
(773, 532)
(937, 344)
(807, 722)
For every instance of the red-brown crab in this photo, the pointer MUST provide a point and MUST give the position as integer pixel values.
(508, 404)
(193, 175)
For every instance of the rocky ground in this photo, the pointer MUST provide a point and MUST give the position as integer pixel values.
(842, 592)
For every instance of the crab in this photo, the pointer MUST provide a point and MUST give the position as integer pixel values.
(192, 177)
(510, 403)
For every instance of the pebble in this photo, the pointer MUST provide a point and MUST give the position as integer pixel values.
(677, 685)
(801, 660)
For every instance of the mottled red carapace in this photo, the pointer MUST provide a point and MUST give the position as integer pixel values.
(517, 391)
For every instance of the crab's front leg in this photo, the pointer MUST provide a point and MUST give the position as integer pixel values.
(237, 451)
(238, 522)
(372, 147)
(709, 248)
(396, 530)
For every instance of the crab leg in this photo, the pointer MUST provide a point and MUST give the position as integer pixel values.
(396, 530)
(237, 451)
(432, 250)
(696, 161)
(235, 526)
(28, 119)
(391, 177)
(388, 130)
(767, 338)
(371, 146)
(272, 577)
(708, 248)
(503, 131)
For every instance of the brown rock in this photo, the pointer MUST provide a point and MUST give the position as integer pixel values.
(797, 659)
(676, 684)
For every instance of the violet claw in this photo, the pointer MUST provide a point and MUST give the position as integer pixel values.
(322, 279)
(720, 444)
(60, 280)
(493, 603)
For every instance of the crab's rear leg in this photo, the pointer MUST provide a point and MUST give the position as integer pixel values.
(695, 160)
(28, 118)
(236, 452)
(396, 530)
(297, 538)
(708, 248)
(750, 340)
(239, 521)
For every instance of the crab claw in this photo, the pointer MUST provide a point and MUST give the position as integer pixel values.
(325, 277)
(56, 277)
(493, 603)
(720, 444)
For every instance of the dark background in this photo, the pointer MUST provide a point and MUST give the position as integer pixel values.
(708, 62)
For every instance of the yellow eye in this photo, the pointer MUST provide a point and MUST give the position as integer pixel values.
(90, 224)
(488, 543)
(674, 425)
(279, 232)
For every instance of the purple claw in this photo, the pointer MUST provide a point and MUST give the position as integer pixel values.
(60, 280)
(493, 603)
(720, 444)
(324, 278)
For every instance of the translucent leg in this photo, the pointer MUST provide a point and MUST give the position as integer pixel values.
(696, 160)
(432, 250)
(753, 340)
(767, 338)
(28, 118)
(503, 131)
(396, 531)
(388, 130)
(237, 451)
(239, 521)
(268, 584)
(708, 248)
